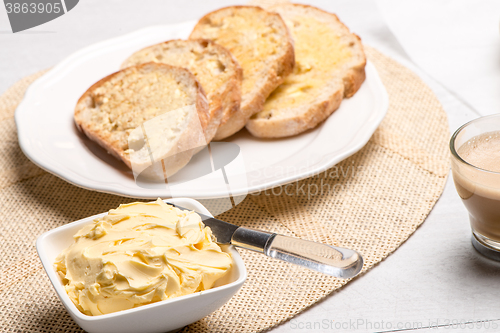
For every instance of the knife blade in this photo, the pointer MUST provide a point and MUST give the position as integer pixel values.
(328, 259)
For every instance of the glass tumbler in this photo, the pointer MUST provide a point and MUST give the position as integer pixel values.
(478, 188)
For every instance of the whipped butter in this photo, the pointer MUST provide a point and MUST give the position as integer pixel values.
(138, 254)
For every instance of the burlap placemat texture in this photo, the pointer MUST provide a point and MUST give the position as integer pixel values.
(371, 202)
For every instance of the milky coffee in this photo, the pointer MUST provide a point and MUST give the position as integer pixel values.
(479, 187)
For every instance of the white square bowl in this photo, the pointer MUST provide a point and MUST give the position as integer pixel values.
(161, 316)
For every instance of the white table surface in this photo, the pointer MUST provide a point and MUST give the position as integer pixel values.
(436, 277)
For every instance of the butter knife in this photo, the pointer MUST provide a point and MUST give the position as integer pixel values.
(332, 260)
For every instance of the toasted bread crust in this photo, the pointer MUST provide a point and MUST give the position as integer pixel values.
(223, 92)
(310, 117)
(355, 75)
(114, 146)
(276, 69)
(346, 80)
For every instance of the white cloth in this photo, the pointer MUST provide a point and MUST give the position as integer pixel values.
(457, 42)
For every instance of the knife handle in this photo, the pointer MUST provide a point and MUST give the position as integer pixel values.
(336, 261)
(327, 259)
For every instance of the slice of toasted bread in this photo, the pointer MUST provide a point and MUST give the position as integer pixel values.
(261, 43)
(150, 116)
(214, 67)
(330, 65)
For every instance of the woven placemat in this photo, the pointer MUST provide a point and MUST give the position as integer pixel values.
(371, 202)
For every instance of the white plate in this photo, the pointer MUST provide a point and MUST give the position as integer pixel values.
(48, 136)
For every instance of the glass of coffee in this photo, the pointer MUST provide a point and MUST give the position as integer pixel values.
(475, 164)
